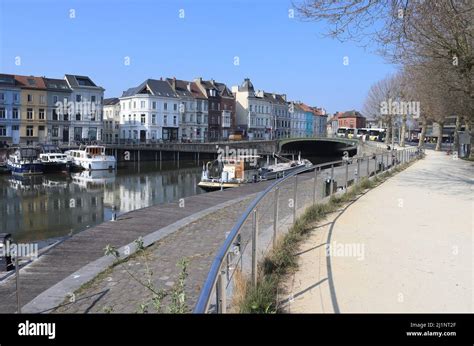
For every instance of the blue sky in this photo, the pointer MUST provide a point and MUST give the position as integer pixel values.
(278, 53)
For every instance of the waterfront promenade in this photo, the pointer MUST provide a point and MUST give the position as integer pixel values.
(78, 251)
(405, 246)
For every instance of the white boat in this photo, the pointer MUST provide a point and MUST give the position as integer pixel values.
(55, 162)
(229, 172)
(282, 169)
(92, 158)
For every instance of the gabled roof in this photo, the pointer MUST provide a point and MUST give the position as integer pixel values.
(111, 101)
(223, 90)
(30, 82)
(154, 87)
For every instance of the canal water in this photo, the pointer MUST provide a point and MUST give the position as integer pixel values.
(49, 207)
(53, 206)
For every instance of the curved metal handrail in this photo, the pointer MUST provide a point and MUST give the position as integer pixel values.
(211, 280)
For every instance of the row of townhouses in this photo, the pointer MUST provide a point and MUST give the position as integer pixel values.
(47, 110)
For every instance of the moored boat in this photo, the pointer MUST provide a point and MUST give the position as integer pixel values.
(283, 168)
(229, 172)
(24, 160)
(91, 158)
(53, 159)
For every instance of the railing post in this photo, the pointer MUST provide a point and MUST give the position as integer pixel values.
(346, 178)
(254, 247)
(315, 184)
(295, 196)
(275, 216)
(368, 166)
(358, 170)
(17, 281)
(221, 293)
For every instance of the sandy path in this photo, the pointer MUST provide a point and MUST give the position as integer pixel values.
(405, 246)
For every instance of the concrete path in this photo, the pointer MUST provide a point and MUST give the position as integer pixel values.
(405, 246)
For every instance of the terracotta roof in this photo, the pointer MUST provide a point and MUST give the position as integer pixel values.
(30, 82)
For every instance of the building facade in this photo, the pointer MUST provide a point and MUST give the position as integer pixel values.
(227, 110)
(111, 109)
(33, 110)
(10, 107)
(149, 113)
(58, 122)
(86, 113)
(253, 111)
(351, 119)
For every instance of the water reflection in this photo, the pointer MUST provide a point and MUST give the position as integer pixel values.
(42, 207)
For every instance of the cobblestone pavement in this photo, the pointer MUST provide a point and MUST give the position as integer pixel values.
(116, 291)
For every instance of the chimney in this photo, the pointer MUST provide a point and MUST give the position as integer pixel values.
(189, 87)
(173, 83)
(283, 96)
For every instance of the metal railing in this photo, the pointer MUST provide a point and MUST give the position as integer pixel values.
(275, 210)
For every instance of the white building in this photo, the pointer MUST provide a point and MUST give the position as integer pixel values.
(111, 111)
(253, 111)
(86, 112)
(149, 113)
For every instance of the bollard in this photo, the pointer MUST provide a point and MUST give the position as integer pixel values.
(221, 293)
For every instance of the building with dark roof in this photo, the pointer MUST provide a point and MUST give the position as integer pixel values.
(150, 113)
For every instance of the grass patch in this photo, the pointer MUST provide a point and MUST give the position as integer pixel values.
(282, 259)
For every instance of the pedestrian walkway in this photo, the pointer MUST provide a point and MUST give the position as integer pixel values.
(405, 246)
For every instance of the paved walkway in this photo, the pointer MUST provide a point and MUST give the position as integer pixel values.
(405, 246)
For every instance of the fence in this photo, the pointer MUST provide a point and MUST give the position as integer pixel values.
(274, 211)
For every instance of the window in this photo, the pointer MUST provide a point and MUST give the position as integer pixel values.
(174, 120)
(66, 117)
(250, 107)
(29, 131)
(15, 128)
(153, 119)
(78, 98)
(15, 98)
(3, 131)
(15, 113)
(42, 99)
(29, 113)
(142, 104)
(165, 120)
(93, 98)
(2, 96)
(55, 99)
(154, 105)
(78, 116)
(2, 113)
(175, 107)
(134, 104)
(165, 106)
(41, 114)
(143, 119)
(29, 98)
(54, 115)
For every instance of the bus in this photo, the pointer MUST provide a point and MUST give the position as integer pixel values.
(362, 132)
(376, 134)
(342, 132)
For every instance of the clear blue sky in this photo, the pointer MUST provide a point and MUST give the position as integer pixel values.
(278, 53)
